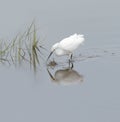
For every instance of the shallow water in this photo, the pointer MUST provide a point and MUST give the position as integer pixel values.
(92, 93)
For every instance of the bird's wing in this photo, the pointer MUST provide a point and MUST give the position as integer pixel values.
(71, 43)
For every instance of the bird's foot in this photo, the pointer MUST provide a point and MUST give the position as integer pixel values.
(70, 64)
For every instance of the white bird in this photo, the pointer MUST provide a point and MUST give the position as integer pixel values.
(67, 46)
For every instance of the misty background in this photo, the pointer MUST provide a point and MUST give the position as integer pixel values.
(23, 98)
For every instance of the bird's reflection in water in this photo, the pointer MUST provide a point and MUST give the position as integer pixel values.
(65, 76)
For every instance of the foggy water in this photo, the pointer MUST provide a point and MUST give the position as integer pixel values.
(89, 91)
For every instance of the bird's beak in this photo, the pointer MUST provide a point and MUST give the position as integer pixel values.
(50, 55)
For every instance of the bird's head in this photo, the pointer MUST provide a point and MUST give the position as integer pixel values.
(54, 47)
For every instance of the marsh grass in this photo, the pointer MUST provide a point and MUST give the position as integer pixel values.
(24, 48)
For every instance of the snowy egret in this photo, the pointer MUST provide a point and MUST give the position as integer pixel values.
(67, 46)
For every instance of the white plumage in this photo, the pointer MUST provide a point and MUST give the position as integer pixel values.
(67, 45)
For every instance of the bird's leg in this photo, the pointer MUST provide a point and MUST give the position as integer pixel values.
(70, 59)
(69, 62)
(71, 55)
(71, 65)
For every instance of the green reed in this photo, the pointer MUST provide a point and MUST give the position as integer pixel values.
(25, 47)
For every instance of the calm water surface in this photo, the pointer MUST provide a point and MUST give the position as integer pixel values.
(92, 93)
